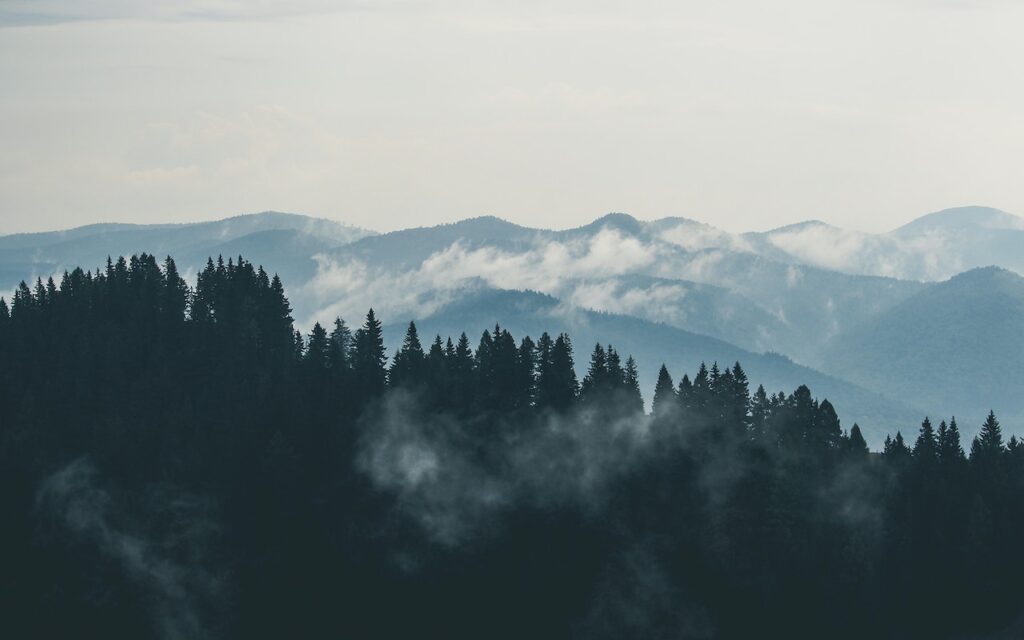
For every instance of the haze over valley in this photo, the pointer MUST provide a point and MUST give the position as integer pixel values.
(921, 320)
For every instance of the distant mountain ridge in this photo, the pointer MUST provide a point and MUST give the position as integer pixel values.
(531, 313)
(958, 344)
(823, 296)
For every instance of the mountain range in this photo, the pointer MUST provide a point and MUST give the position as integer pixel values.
(922, 320)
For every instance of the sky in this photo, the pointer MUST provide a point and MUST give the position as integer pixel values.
(386, 114)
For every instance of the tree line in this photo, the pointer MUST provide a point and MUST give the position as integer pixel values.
(180, 461)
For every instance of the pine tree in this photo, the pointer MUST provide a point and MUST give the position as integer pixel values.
(407, 367)
(563, 370)
(664, 393)
(557, 385)
(926, 448)
(505, 376)
(857, 445)
(368, 359)
(685, 396)
(739, 391)
(634, 402)
(896, 449)
(463, 380)
(616, 374)
(526, 376)
(826, 430)
(596, 382)
(987, 446)
(317, 356)
(951, 453)
(341, 347)
(760, 410)
(174, 300)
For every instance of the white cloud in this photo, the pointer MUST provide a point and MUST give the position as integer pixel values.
(348, 287)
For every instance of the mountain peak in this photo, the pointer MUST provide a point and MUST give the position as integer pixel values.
(985, 275)
(962, 219)
(615, 220)
(801, 226)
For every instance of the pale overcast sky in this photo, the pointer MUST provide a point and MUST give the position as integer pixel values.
(386, 114)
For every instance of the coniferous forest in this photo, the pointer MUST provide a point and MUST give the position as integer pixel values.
(180, 462)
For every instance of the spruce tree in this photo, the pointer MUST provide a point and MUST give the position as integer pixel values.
(526, 373)
(951, 453)
(341, 347)
(317, 355)
(987, 446)
(368, 358)
(856, 443)
(174, 298)
(634, 402)
(616, 374)
(760, 410)
(826, 429)
(407, 367)
(664, 393)
(463, 380)
(557, 385)
(926, 448)
(563, 373)
(596, 382)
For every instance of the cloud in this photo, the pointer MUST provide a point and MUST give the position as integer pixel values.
(75, 496)
(695, 236)
(426, 459)
(930, 256)
(349, 286)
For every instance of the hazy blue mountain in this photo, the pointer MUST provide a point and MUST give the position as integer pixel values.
(530, 313)
(408, 248)
(809, 290)
(933, 247)
(289, 240)
(699, 308)
(957, 346)
(782, 306)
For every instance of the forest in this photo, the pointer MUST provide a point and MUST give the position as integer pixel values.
(180, 462)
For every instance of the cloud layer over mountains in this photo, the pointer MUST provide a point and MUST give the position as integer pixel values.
(811, 291)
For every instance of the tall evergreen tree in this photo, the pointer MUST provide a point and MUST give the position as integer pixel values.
(634, 402)
(858, 446)
(760, 410)
(664, 393)
(341, 346)
(317, 357)
(461, 366)
(526, 374)
(407, 367)
(557, 385)
(950, 451)
(596, 383)
(369, 359)
(926, 448)
(987, 446)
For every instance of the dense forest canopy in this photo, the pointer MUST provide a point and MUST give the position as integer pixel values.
(180, 462)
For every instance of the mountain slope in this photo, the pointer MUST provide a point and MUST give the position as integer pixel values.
(27, 256)
(957, 346)
(789, 308)
(529, 313)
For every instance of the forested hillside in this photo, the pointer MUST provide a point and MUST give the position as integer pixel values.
(179, 462)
